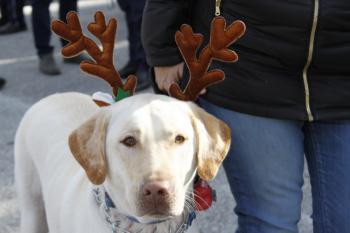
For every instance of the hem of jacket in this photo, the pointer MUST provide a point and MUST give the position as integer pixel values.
(296, 112)
(270, 111)
(164, 59)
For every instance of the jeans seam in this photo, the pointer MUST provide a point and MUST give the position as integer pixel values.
(318, 165)
(242, 227)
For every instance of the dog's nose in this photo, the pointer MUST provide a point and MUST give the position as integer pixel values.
(156, 197)
(156, 189)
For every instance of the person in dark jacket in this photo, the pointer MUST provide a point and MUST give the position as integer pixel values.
(288, 96)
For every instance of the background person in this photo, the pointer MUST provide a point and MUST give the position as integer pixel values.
(12, 19)
(42, 33)
(137, 64)
(3, 12)
(288, 95)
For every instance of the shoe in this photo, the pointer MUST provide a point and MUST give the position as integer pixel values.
(2, 83)
(129, 68)
(47, 64)
(12, 27)
(77, 59)
(143, 79)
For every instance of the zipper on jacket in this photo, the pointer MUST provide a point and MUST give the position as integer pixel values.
(308, 62)
(217, 7)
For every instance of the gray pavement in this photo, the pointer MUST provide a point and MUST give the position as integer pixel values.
(18, 64)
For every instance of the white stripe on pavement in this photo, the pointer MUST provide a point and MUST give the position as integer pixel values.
(81, 4)
(8, 61)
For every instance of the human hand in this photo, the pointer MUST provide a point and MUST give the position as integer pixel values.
(165, 76)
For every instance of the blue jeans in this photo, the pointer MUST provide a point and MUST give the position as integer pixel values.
(265, 171)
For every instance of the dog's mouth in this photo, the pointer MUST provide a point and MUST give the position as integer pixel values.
(159, 213)
(151, 218)
(156, 210)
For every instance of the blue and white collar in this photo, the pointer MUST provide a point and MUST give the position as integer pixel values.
(120, 223)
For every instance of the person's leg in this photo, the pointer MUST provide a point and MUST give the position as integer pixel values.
(3, 12)
(14, 21)
(65, 7)
(126, 7)
(134, 10)
(137, 59)
(16, 11)
(134, 20)
(327, 148)
(132, 65)
(19, 12)
(265, 170)
(41, 26)
(11, 9)
(42, 35)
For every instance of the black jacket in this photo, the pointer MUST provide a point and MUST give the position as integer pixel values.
(291, 48)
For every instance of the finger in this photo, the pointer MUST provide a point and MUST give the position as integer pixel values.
(180, 70)
(159, 82)
(167, 84)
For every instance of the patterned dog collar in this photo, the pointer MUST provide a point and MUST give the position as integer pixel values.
(116, 221)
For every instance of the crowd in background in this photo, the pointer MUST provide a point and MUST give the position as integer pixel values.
(12, 20)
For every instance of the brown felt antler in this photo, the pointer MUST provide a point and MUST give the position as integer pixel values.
(102, 66)
(221, 37)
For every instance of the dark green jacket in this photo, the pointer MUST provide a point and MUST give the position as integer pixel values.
(294, 59)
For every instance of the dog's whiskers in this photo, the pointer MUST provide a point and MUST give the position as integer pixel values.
(205, 202)
(195, 203)
(189, 202)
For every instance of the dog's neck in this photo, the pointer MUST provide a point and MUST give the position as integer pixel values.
(120, 223)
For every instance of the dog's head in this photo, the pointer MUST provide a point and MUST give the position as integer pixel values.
(145, 150)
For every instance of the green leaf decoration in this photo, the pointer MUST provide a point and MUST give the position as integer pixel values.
(121, 94)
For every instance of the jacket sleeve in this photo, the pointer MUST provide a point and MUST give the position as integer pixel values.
(161, 19)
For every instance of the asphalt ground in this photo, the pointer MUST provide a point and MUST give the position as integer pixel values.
(19, 65)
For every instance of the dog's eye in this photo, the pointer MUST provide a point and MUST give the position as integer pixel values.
(129, 141)
(179, 139)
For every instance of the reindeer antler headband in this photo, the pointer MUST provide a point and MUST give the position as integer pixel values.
(221, 37)
(102, 66)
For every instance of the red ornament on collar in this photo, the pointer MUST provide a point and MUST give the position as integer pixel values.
(204, 195)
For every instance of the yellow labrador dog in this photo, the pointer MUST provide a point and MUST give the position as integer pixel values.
(128, 167)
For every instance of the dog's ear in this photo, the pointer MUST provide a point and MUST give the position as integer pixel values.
(87, 144)
(213, 139)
